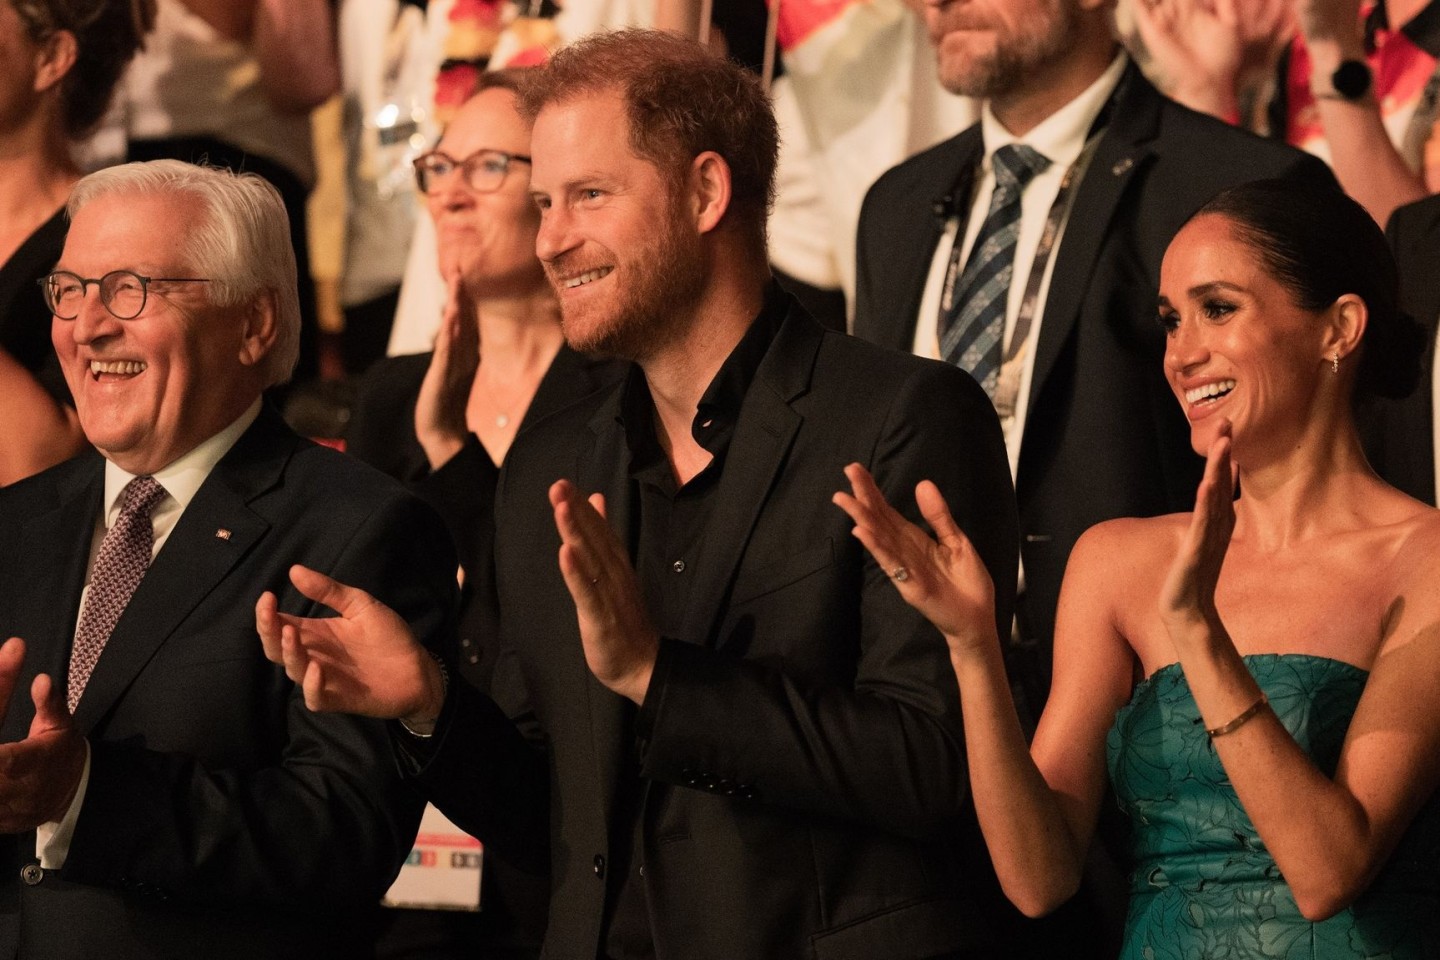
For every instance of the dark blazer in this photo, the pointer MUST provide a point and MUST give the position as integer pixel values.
(462, 491)
(801, 744)
(1104, 436)
(222, 818)
(1399, 435)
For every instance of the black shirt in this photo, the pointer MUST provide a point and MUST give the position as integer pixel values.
(669, 528)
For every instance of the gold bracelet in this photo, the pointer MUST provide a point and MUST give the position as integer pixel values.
(1239, 721)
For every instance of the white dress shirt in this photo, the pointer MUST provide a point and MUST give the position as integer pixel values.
(1061, 139)
(181, 480)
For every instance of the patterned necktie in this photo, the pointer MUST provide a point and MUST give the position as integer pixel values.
(119, 567)
(972, 311)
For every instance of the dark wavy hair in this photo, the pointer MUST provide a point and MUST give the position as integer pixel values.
(107, 35)
(1320, 245)
(682, 100)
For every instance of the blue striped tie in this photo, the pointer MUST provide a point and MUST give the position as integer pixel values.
(972, 316)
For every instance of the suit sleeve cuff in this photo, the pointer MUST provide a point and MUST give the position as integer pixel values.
(52, 840)
(646, 716)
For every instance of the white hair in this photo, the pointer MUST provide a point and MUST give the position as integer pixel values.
(242, 245)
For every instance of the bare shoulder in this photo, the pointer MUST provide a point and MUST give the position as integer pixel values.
(1130, 541)
(1412, 589)
(1114, 576)
(1417, 545)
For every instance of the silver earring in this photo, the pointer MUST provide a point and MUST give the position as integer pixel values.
(1335, 363)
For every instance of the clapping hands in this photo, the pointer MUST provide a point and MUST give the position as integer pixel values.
(1187, 599)
(619, 640)
(942, 577)
(40, 774)
(440, 424)
(1205, 47)
(365, 661)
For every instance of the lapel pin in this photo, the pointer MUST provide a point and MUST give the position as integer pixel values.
(222, 534)
(1122, 166)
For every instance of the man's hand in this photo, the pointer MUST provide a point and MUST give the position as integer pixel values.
(40, 774)
(620, 643)
(365, 661)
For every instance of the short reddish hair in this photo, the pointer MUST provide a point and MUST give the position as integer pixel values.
(682, 100)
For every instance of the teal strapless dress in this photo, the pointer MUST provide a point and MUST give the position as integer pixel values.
(1204, 885)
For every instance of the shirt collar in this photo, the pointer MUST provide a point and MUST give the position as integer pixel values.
(1061, 136)
(182, 477)
(719, 406)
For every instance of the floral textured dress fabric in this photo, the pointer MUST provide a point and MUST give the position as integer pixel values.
(1204, 886)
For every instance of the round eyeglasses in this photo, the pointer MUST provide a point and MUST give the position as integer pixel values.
(122, 292)
(483, 170)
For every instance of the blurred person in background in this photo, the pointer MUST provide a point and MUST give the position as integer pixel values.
(231, 83)
(1357, 81)
(62, 60)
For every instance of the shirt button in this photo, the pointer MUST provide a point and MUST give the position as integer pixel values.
(599, 867)
(31, 874)
(678, 566)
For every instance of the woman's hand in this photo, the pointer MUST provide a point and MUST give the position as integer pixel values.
(945, 580)
(1187, 599)
(440, 406)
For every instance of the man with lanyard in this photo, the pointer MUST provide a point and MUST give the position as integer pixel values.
(1027, 251)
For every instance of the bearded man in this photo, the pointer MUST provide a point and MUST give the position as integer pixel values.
(751, 747)
(1027, 251)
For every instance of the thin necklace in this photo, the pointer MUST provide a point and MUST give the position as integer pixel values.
(502, 413)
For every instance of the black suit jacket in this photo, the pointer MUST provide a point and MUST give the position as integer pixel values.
(1104, 437)
(1399, 434)
(222, 818)
(801, 745)
(382, 433)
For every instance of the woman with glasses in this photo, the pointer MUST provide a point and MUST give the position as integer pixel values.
(499, 345)
(1259, 680)
(443, 421)
(59, 63)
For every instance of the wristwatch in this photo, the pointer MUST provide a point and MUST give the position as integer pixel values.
(1350, 81)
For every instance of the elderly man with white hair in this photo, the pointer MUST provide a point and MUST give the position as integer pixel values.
(162, 788)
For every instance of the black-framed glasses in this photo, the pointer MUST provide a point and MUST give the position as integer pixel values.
(484, 170)
(122, 292)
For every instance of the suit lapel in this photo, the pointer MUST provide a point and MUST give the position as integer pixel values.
(955, 182)
(1123, 150)
(194, 560)
(763, 435)
(605, 469)
(50, 577)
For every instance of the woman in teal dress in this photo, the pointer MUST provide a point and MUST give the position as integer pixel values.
(1258, 680)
